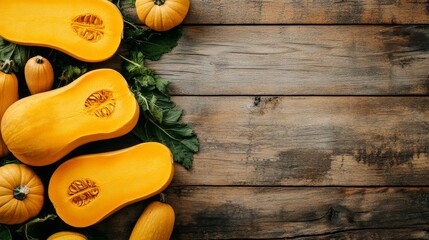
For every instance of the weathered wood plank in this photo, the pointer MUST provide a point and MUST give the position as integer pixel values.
(298, 60)
(281, 212)
(306, 12)
(310, 141)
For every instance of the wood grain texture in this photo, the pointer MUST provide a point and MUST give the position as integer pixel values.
(304, 127)
(264, 213)
(298, 60)
(308, 141)
(282, 212)
(305, 12)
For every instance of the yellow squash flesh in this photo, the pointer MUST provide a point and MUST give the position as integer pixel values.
(8, 95)
(89, 30)
(155, 223)
(41, 129)
(67, 235)
(86, 189)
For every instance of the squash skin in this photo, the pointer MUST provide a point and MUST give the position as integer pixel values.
(8, 95)
(109, 181)
(163, 17)
(41, 129)
(13, 210)
(67, 235)
(39, 74)
(155, 223)
(51, 23)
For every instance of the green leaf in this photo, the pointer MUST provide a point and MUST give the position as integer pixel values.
(150, 43)
(155, 110)
(159, 43)
(70, 73)
(161, 85)
(5, 233)
(172, 116)
(10, 51)
(29, 229)
(160, 118)
(178, 136)
(7, 160)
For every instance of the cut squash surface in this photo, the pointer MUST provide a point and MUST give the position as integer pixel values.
(86, 189)
(42, 128)
(89, 30)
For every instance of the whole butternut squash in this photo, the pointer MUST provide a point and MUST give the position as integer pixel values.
(89, 30)
(21, 192)
(86, 189)
(41, 129)
(67, 235)
(155, 223)
(39, 74)
(8, 95)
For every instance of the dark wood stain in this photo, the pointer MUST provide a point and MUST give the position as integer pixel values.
(262, 104)
(298, 163)
(338, 214)
(348, 11)
(410, 38)
(387, 2)
(211, 222)
(427, 7)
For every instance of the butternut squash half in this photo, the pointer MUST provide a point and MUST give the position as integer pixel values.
(86, 189)
(89, 30)
(42, 128)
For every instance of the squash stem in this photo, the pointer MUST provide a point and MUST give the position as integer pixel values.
(162, 198)
(20, 192)
(39, 59)
(128, 60)
(7, 66)
(159, 2)
(131, 24)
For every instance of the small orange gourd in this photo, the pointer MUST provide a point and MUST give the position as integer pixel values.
(86, 189)
(41, 129)
(67, 235)
(162, 15)
(8, 95)
(89, 30)
(155, 223)
(21, 192)
(39, 74)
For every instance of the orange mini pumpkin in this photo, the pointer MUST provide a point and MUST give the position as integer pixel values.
(39, 74)
(21, 192)
(162, 15)
(8, 95)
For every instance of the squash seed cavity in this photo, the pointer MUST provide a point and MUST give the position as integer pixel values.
(88, 26)
(101, 103)
(83, 191)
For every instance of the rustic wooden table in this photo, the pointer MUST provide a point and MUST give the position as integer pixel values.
(313, 118)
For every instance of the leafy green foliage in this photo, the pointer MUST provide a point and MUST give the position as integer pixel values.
(5, 233)
(160, 118)
(17, 53)
(66, 69)
(31, 229)
(34, 229)
(151, 43)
